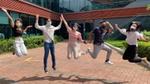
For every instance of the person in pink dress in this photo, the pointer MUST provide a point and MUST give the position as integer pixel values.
(75, 39)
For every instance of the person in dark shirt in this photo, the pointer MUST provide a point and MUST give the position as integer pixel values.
(20, 48)
(98, 35)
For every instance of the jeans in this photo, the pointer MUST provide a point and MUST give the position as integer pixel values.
(47, 47)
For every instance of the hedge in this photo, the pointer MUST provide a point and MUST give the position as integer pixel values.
(6, 45)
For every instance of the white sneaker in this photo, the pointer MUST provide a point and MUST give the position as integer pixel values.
(146, 63)
(109, 62)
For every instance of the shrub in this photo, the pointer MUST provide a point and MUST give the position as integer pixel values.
(144, 49)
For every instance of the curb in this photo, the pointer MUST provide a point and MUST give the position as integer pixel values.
(121, 51)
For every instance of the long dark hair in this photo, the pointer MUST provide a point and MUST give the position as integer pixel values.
(15, 26)
(137, 28)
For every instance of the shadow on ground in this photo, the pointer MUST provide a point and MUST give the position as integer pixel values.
(70, 78)
(7, 81)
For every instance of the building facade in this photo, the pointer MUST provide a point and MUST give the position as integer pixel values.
(86, 12)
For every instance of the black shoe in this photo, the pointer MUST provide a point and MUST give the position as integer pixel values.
(45, 70)
(54, 68)
(13, 53)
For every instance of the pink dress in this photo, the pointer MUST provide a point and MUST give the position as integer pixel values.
(74, 44)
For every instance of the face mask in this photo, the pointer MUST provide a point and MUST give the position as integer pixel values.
(75, 28)
(19, 25)
(48, 23)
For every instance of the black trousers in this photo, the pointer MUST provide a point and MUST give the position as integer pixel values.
(130, 54)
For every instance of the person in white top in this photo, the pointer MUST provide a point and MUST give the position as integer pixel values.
(48, 32)
(132, 36)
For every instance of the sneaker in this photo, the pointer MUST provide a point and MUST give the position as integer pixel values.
(13, 53)
(54, 68)
(109, 62)
(69, 57)
(45, 70)
(145, 62)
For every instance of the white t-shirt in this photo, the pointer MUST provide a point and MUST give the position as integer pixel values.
(48, 32)
(131, 37)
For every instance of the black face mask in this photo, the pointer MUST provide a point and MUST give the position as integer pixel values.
(132, 29)
(102, 26)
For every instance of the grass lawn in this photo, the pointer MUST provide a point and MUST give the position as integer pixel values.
(116, 43)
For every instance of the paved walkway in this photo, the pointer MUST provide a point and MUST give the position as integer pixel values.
(29, 69)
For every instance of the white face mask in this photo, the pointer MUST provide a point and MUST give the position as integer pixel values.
(49, 23)
(19, 25)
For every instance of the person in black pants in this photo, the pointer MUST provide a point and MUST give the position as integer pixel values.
(132, 36)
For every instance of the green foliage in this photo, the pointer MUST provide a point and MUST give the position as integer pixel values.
(117, 43)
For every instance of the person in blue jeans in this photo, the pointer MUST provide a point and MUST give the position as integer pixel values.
(48, 32)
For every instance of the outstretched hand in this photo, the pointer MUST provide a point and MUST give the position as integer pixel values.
(30, 26)
(37, 16)
(116, 26)
(62, 17)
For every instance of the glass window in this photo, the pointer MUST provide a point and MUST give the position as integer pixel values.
(14, 15)
(3, 18)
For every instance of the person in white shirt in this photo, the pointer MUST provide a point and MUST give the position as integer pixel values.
(132, 36)
(48, 32)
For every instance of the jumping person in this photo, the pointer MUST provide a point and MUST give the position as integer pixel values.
(74, 40)
(48, 32)
(132, 35)
(17, 26)
(98, 35)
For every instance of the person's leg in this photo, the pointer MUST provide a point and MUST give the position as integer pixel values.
(80, 52)
(129, 53)
(17, 49)
(13, 52)
(24, 49)
(134, 58)
(69, 52)
(126, 54)
(95, 52)
(46, 52)
(75, 52)
(52, 49)
(109, 52)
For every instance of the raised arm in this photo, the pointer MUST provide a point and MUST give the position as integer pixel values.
(66, 24)
(59, 26)
(123, 31)
(27, 28)
(11, 19)
(37, 26)
(142, 37)
(109, 25)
